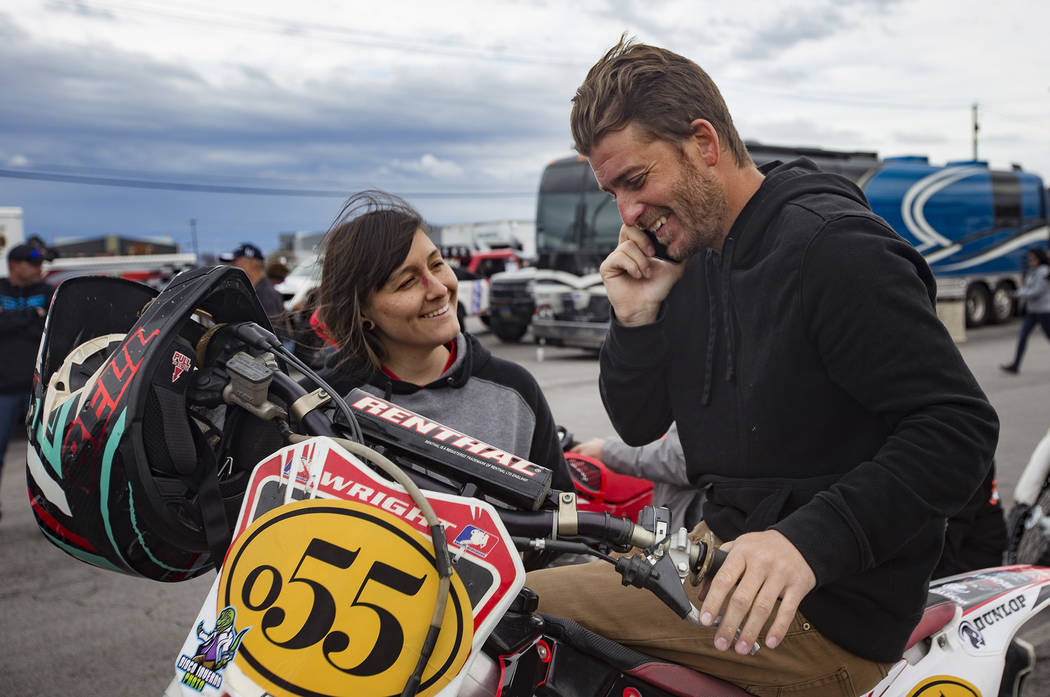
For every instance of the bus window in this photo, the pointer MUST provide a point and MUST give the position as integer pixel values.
(603, 223)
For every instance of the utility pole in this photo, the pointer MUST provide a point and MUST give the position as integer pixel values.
(975, 129)
(193, 237)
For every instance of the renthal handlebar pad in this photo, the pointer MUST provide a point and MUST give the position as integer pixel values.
(454, 454)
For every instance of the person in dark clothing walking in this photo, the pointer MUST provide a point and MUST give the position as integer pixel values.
(1036, 294)
(24, 299)
(817, 395)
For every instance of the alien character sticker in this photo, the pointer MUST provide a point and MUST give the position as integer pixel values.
(215, 651)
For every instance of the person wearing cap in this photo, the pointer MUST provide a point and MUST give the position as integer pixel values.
(24, 298)
(249, 259)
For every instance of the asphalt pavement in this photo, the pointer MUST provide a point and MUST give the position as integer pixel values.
(70, 629)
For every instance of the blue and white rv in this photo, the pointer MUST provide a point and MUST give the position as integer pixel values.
(973, 225)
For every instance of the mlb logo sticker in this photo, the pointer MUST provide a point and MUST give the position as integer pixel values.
(181, 363)
(302, 461)
(476, 540)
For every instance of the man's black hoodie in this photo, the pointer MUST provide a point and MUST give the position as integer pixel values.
(817, 393)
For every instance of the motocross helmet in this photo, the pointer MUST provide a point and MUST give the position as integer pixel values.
(123, 472)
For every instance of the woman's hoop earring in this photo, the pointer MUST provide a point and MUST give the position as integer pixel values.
(369, 325)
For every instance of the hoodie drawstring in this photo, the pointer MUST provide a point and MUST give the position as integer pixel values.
(712, 326)
(727, 308)
(721, 295)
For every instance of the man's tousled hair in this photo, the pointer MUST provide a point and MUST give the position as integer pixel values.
(658, 90)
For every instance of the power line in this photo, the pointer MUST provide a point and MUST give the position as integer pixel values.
(849, 100)
(125, 172)
(249, 190)
(298, 30)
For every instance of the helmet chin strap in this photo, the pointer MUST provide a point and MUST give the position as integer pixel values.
(213, 510)
(191, 457)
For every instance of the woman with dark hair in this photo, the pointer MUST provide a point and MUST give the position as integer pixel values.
(1036, 294)
(388, 301)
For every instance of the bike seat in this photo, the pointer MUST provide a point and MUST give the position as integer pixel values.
(671, 677)
(939, 612)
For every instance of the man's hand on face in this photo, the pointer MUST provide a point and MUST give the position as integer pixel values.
(635, 281)
(761, 568)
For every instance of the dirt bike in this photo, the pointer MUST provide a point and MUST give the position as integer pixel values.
(375, 551)
(390, 563)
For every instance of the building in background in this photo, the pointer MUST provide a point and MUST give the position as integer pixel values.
(114, 245)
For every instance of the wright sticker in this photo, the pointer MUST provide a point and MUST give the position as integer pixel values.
(944, 686)
(339, 595)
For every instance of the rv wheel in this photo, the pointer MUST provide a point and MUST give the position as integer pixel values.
(978, 303)
(1002, 307)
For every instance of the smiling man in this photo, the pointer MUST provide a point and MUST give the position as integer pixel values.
(818, 398)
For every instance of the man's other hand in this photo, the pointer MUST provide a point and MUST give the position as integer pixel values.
(761, 568)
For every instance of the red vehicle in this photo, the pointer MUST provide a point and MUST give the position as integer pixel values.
(483, 263)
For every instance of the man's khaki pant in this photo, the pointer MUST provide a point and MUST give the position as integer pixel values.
(805, 662)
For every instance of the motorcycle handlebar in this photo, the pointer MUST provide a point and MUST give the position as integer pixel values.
(533, 524)
(607, 528)
(314, 422)
(600, 526)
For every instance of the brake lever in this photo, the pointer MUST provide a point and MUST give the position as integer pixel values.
(660, 578)
(664, 577)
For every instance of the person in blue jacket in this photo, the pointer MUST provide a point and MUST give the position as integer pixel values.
(24, 299)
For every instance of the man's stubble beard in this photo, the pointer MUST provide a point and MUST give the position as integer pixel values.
(701, 207)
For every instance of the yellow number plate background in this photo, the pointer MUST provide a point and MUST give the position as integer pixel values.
(339, 596)
(944, 686)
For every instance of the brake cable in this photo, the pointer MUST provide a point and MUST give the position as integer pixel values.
(437, 534)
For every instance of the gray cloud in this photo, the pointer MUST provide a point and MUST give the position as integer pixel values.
(643, 20)
(68, 104)
(76, 7)
(789, 29)
(794, 26)
(94, 109)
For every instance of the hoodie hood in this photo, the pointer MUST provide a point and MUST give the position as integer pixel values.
(470, 357)
(783, 183)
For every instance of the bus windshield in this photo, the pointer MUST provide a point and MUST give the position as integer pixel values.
(572, 214)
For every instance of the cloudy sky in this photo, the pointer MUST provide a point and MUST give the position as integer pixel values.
(255, 118)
